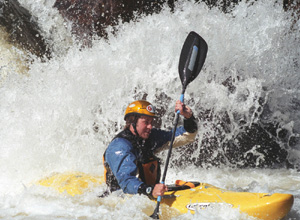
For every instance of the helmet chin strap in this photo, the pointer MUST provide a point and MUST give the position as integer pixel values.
(138, 137)
(135, 131)
(133, 124)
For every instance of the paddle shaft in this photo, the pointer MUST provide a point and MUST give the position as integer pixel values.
(156, 211)
(172, 140)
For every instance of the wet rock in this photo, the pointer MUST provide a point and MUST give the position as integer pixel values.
(91, 17)
(254, 146)
(22, 28)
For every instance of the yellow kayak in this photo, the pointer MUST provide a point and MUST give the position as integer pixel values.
(261, 205)
(73, 183)
(189, 196)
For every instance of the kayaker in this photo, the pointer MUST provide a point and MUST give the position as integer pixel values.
(129, 160)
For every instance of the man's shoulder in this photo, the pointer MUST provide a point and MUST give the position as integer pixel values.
(119, 143)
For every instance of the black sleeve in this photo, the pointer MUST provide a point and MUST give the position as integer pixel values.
(143, 189)
(190, 124)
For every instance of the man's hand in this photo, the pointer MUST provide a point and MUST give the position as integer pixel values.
(183, 109)
(159, 190)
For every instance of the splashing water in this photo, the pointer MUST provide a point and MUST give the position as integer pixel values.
(61, 114)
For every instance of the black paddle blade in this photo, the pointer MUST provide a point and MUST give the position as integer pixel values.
(192, 58)
(155, 214)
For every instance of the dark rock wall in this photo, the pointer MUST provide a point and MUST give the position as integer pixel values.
(22, 28)
(89, 18)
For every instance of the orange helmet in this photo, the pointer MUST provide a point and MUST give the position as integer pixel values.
(140, 107)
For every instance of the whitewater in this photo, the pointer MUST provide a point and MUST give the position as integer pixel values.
(59, 115)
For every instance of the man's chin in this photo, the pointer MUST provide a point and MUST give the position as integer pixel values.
(145, 136)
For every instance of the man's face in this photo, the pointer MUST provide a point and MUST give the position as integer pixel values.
(144, 126)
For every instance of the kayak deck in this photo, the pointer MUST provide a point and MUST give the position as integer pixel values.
(261, 205)
(199, 196)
